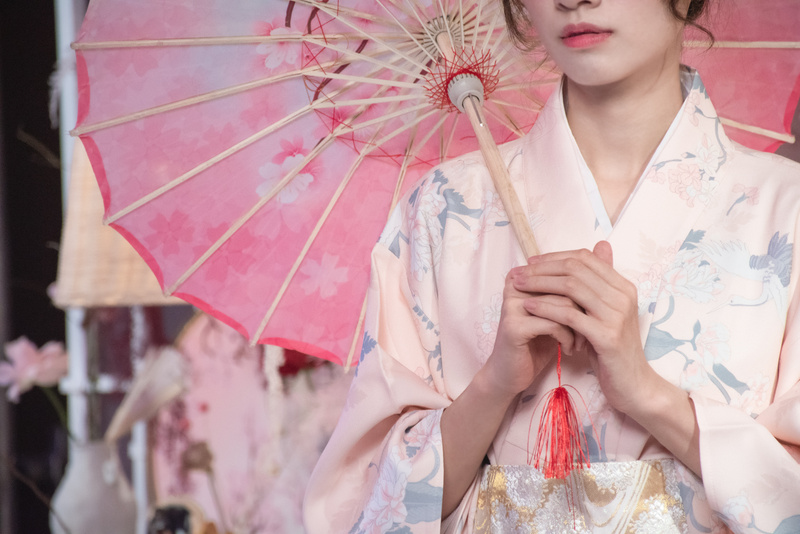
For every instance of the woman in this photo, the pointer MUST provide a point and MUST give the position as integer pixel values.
(673, 299)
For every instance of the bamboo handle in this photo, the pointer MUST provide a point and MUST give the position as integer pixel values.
(473, 108)
(501, 178)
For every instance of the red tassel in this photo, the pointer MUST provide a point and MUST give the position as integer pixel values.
(560, 439)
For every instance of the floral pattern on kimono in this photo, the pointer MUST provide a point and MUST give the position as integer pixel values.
(708, 237)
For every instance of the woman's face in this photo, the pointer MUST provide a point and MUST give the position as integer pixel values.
(602, 42)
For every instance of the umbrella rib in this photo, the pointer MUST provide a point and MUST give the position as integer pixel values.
(323, 218)
(383, 118)
(269, 196)
(367, 58)
(444, 14)
(786, 138)
(395, 197)
(209, 163)
(524, 85)
(367, 80)
(214, 41)
(250, 213)
(326, 104)
(508, 104)
(199, 99)
(456, 119)
(403, 27)
(743, 44)
(478, 21)
(490, 31)
(372, 37)
(504, 120)
(424, 27)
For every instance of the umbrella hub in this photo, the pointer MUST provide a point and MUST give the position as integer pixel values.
(467, 74)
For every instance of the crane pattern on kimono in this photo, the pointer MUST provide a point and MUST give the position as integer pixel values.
(709, 347)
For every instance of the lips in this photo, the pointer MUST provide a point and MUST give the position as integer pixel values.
(584, 35)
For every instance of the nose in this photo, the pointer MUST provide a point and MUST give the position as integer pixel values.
(569, 5)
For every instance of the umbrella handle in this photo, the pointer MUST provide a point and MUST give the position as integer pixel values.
(501, 178)
(472, 106)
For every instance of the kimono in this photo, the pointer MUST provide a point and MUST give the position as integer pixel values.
(707, 237)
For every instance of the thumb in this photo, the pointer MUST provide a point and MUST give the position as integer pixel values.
(603, 251)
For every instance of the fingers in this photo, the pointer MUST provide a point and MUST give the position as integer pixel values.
(603, 251)
(588, 278)
(519, 326)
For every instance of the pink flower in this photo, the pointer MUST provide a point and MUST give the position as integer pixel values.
(424, 434)
(386, 507)
(31, 366)
(739, 509)
(749, 193)
(687, 181)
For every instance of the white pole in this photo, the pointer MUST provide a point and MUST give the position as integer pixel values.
(66, 86)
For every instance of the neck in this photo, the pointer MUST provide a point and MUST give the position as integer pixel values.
(618, 128)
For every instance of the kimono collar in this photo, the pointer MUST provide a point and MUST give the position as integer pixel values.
(675, 187)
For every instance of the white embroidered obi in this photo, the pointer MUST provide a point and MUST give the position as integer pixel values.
(637, 497)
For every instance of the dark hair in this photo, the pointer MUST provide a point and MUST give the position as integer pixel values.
(514, 12)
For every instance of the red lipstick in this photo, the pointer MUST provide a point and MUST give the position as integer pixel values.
(584, 35)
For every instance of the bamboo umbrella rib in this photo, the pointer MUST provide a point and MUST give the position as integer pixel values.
(503, 119)
(369, 147)
(507, 104)
(500, 51)
(269, 196)
(326, 104)
(340, 10)
(461, 22)
(490, 30)
(354, 343)
(369, 59)
(524, 85)
(456, 119)
(478, 21)
(215, 41)
(242, 220)
(372, 37)
(199, 99)
(743, 44)
(395, 196)
(307, 246)
(405, 30)
(399, 6)
(366, 79)
(383, 118)
(409, 154)
(424, 26)
(444, 14)
(210, 162)
(786, 138)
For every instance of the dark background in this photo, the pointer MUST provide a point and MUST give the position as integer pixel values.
(30, 206)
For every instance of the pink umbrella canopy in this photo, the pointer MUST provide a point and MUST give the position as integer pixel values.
(753, 71)
(251, 150)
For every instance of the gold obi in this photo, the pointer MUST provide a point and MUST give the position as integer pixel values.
(638, 497)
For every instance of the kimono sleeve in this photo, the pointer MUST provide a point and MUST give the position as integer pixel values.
(382, 469)
(750, 466)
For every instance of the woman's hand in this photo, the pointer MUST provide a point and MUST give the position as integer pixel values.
(605, 314)
(525, 342)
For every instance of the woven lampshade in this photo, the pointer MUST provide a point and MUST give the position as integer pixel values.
(97, 266)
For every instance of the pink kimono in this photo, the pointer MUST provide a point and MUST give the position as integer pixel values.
(708, 238)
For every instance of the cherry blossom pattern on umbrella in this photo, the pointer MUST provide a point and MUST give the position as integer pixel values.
(251, 151)
(245, 146)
